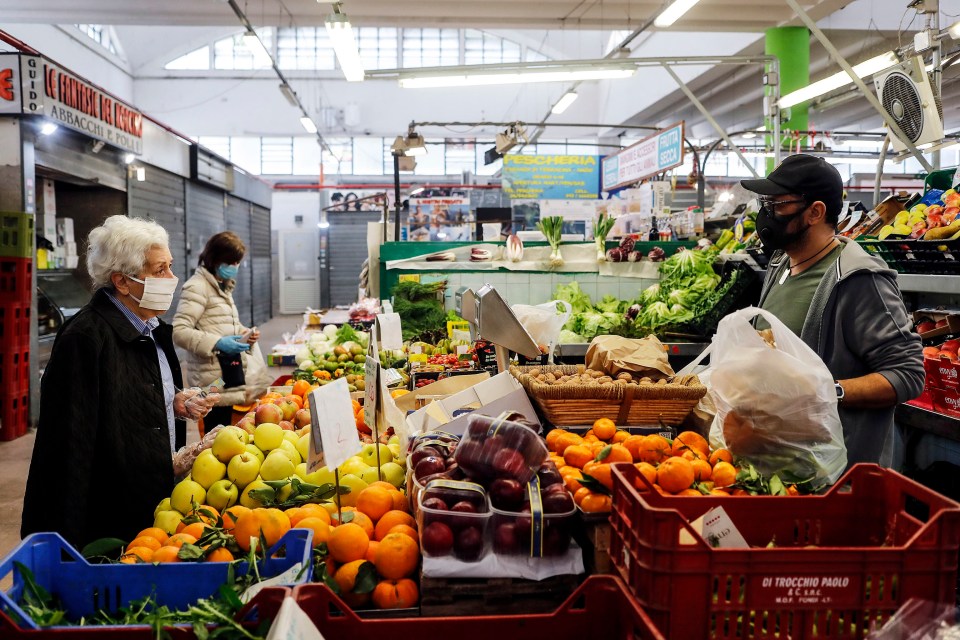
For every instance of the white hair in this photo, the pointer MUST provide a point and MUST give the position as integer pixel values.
(120, 245)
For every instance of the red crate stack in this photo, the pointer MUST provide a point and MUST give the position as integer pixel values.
(16, 287)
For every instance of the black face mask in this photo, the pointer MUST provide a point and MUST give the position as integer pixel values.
(772, 229)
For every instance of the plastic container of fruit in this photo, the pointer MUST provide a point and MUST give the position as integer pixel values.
(500, 448)
(541, 526)
(453, 518)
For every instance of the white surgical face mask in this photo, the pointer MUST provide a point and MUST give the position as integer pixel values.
(157, 292)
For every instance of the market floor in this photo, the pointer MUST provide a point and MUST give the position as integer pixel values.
(15, 455)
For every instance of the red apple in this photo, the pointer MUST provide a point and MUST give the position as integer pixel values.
(268, 413)
(286, 425)
(469, 544)
(434, 503)
(464, 506)
(428, 467)
(247, 424)
(289, 409)
(950, 345)
(437, 539)
(926, 325)
(505, 539)
(302, 418)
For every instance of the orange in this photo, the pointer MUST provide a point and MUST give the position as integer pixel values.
(372, 551)
(719, 492)
(201, 513)
(702, 471)
(397, 556)
(391, 519)
(312, 510)
(617, 453)
(166, 554)
(395, 594)
(348, 542)
(321, 529)
(590, 434)
(648, 471)
(721, 455)
(364, 521)
(195, 529)
(577, 456)
(580, 494)
(596, 447)
(596, 503)
(375, 502)
(301, 388)
(406, 530)
(231, 515)
(675, 474)
(724, 474)
(400, 502)
(572, 480)
(591, 438)
(150, 543)
(740, 492)
(156, 533)
(565, 440)
(133, 553)
(604, 428)
(346, 579)
(691, 493)
(219, 555)
(552, 436)
(356, 406)
(634, 445)
(383, 484)
(269, 523)
(691, 440)
(601, 472)
(654, 448)
(179, 539)
(620, 437)
(691, 455)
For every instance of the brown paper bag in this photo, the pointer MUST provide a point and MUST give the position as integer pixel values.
(639, 358)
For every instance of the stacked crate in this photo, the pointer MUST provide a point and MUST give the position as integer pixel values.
(16, 290)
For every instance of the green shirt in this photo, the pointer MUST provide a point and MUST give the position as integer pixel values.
(790, 299)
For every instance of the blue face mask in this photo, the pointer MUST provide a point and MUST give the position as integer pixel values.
(227, 271)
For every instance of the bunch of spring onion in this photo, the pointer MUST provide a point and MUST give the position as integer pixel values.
(601, 228)
(552, 228)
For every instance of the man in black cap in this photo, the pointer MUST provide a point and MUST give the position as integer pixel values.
(841, 301)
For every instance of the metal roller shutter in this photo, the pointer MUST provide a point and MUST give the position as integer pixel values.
(204, 218)
(346, 249)
(238, 220)
(161, 198)
(260, 248)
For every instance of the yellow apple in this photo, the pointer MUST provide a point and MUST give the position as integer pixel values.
(248, 501)
(252, 448)
(355, 484)
(168, 520)
(268, 436)
(229, 442)
(243, 469)
(185, 494)
(291, 450)
(277, 466)
(354, 465)
(207, 469)
(394, 474)
(163, 506)
(222, 494)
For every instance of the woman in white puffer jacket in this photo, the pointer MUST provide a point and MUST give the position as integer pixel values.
(207, 326)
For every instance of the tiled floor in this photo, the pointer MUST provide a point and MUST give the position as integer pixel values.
(15, 455)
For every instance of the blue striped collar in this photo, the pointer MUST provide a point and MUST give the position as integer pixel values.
(144, 327)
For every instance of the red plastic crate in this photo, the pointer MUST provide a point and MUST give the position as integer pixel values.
(941, 373)
(601, 605)
(881, 539)
(16, 279)
(14, 369)
(14, 324)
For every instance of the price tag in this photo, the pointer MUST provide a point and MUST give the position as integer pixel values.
(333, 439)
(462, 349)
(289, 576)
(391, 377)
(720, 532)
(370, 378)
(391, 338)
(909, 255)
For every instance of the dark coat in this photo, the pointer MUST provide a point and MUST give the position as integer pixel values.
(101, 462)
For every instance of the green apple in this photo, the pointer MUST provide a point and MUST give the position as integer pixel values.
(301, 470)
(207, 469)
(398, 456)
(291, 437)
(252, 448)
(290, 449)
(268, 436)
(355, 484)
(222, 494)
(185, 494)
(163, 506)
(277, 466)
(354, 465)
(168, 520)
(370, 475)
(394, 474)
(368, 453)
(394, 439)
(303, 446)
(321, 476)
(243, 469)
(248, 501)
(228, 443)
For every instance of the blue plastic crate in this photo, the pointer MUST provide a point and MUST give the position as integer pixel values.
(85, 588)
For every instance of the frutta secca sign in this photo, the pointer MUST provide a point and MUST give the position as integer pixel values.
(50, 90)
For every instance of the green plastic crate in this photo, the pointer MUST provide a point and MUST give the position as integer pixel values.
(16, 234)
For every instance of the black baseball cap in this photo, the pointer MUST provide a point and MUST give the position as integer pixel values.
(810, 176)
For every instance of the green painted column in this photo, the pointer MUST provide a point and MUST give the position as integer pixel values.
(791, 45)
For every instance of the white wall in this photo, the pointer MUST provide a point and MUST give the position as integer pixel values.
(288, 204)
(69, 47)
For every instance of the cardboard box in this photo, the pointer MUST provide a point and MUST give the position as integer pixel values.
(47, 199)
(49, 229)
(71, 262)
(65, 231)
(490, 398)
(951, 316)
(941, 373)
(946, 401)
(70, 249)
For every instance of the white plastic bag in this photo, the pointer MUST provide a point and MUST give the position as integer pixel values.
(775, 407)
(544, 321)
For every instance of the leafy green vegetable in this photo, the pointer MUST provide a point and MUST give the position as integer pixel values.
(650, 295)
(572, 293)
(346, 333)
(569, 337)
(420, 309)
(610, 304)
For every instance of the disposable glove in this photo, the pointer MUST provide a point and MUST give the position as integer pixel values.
(231, 345)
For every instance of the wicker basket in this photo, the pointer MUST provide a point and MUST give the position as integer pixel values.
(625, 404)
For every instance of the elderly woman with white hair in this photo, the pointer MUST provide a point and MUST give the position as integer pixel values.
(111, 409)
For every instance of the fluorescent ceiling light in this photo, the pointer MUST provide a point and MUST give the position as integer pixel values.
(564, 102)
(128, 158)
(749, 134)
(837, 80)
(480, 77)
(345, 46)
(672, 13)
(308, 124)
(289, 94)
(48, 128)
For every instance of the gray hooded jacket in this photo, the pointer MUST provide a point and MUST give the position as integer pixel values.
(858, 325)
